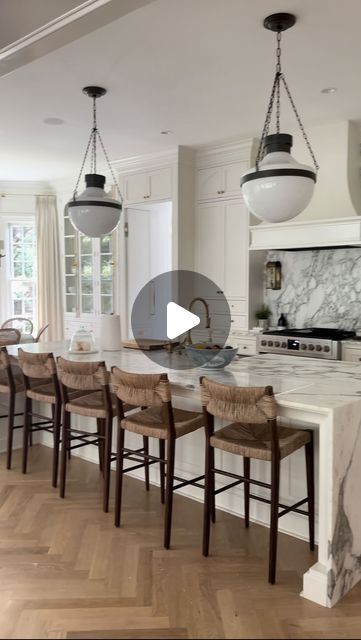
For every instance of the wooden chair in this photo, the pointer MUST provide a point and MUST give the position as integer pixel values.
(41, 384)
(159, 420)
(40, 332)
(91, 379)
(24, 325)
(9, 336)
(11, 383)
(253, 433)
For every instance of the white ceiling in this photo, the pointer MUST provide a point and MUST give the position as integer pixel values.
(202, 68)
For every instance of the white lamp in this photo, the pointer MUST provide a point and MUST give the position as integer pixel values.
(93, 212)
(278, 188)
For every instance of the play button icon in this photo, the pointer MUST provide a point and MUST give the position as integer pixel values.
(179, 320)
(173, 313)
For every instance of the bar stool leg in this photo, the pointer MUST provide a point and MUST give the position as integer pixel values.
(275, 482)
(56, 441)
(212, 485)
(169, 492)
(310, 491)
(11, 414)
(64, 447)
(246, 473)
(162, 470)
(119, 475)
(107, 460)
(27, 425)
(208, 498)
(146, 468)
(101, 431)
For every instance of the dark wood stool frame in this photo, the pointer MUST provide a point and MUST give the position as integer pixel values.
(10, 415)
(102, 437)
(44, 423)
(144, 459)
(211, 492)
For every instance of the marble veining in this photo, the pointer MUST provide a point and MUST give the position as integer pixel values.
(320, 288)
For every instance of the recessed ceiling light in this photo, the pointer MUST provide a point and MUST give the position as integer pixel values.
(54, 121)
(166, 132)
(329, 90)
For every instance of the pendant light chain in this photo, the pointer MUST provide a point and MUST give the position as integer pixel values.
(92, 142)
(276, 93)
(304, 134)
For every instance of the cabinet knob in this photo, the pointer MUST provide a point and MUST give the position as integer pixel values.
(219, 291)
(219, 192)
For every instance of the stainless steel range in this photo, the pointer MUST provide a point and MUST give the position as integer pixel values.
(311, 342)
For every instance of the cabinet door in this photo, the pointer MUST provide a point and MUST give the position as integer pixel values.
(209, 242)
(232, 177)
(235, 250)
(136, 187)
(160, 184)
(210, 182)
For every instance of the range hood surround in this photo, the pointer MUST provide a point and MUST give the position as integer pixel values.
(332, 219)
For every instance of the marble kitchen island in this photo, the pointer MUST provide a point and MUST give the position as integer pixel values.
(325, 395)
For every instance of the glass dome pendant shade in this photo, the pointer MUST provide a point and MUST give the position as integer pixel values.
(94, 213)
(278, 188)
(281, 187)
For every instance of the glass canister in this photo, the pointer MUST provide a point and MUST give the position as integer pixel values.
(82, 341)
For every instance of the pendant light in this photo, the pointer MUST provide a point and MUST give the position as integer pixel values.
(278, 188)
(93, 212)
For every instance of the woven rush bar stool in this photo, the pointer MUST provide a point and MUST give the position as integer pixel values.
(9, 336)
(96, 401)
(41, 384)
(158, 419)
(253, 433)
(11, 383)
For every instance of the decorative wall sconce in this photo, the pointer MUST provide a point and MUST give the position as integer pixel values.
(273, 274)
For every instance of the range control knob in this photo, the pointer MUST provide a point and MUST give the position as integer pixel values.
(263, 343)
(270, 343)
(277, 344)
(311, 347)
(318, 347)
(284, 345)
(303, 346)
(326, 348)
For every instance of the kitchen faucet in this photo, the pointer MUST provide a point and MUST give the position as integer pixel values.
(188, 339)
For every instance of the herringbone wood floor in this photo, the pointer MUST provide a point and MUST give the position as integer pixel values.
(66, 572)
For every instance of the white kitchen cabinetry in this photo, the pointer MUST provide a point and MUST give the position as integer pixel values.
(221, 236)
(351, 351)
(222, 231)
(149, 186)
(89, 278)
(220, 181)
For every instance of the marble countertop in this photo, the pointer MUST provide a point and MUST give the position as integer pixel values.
(300, 383)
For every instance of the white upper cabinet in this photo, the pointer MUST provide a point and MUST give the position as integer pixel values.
(151, 186)
(221, 181)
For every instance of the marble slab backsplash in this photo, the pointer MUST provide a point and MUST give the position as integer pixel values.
(319, 288)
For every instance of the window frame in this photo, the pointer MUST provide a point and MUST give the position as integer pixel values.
(24, 219)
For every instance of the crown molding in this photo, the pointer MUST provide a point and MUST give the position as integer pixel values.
(231, 150)
(25, 188)
(146, 162)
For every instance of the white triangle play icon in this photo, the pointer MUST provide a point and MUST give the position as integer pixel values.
(179, 320)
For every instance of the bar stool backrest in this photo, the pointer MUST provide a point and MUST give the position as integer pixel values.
(6, 362)
(37, 365)
(141, 389)
(83, 376)
(256, 405)
(9, 336)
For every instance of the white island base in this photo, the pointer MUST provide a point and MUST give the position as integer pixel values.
(325, 395)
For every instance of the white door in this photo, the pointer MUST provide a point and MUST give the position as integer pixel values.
(148, 254)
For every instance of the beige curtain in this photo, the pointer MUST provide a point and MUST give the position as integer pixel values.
(50, 295)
